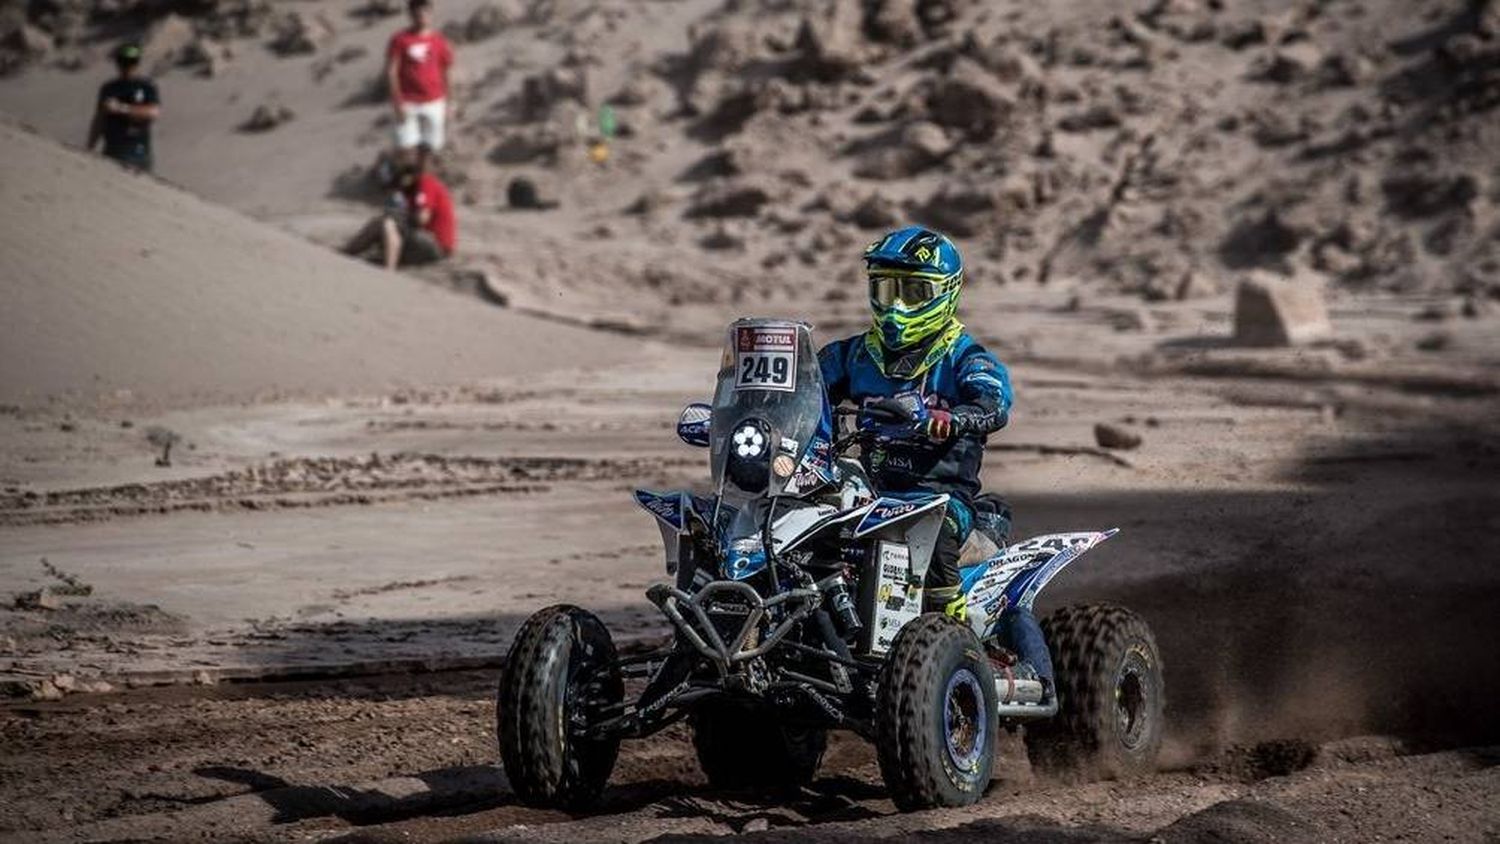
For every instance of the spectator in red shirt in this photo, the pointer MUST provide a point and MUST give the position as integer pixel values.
(417, 226)
(417, 63)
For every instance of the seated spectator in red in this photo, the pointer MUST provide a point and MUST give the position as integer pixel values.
(417, 226)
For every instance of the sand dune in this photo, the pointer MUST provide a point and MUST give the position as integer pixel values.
(116, 282)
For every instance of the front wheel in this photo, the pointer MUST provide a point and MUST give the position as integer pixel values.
(935, 716)
(560, 674)
(1110, 696)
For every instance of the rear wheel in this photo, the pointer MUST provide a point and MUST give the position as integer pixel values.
(1110, 693)
(560, 674)
(741, 746)
(935, 716)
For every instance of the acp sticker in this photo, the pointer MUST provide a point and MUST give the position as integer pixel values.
(765, 358)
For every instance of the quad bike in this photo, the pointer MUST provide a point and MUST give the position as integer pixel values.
(796, 610)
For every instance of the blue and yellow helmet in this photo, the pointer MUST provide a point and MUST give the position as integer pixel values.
(915, 276)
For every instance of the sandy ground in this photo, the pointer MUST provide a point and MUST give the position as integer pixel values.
(288, 625)
(1312, 546)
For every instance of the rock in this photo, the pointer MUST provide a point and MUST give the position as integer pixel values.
(1416, 195)
(30, 41)
(722, 239)
(166, 43)
(1475, 307)
(1334, 259)
(45, 690)
(1433, 313)
(1242, 34)
(65, 683)
(909, 151)
(1487, 23)
(1343, 70)
(728, 199)
(45, 598)
(208, 55)
(483, 283)
(379, 8)
(267, 117)
(489, 20)
(1435, 341)
(969, 100)
(1116, 437)
(203, 678)
(960, 210)
(1096, 116)
(895, 22)
(926, 142)
(1194, 285)
(1130, 319)
(541, 92)
(828, 44)
(1261, 240)
(540, 143)
(1285, 65)
(725, 46)
(299, 33)
(1270, 311)
(876, 211)
(524, 194)
(1008, 62)
(1273, 128)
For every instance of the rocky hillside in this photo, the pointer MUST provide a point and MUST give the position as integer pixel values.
(1156, 147)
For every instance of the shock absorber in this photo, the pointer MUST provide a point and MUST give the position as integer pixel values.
(843, 607)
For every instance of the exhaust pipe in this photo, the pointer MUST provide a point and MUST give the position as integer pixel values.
(1022, 698)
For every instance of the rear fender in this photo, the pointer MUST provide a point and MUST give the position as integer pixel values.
(1015, 576)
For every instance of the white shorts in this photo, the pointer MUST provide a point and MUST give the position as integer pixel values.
(423, 124)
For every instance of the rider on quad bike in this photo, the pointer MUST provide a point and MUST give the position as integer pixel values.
(934, 395)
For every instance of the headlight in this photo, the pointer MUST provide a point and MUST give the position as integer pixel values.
(748, 463)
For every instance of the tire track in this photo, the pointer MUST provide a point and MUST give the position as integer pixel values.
(327, 482)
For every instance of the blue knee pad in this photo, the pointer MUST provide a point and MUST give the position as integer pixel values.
(1020, 630)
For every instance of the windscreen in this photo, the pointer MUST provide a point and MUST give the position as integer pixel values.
(769, 372)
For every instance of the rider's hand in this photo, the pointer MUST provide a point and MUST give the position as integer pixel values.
(939, 425)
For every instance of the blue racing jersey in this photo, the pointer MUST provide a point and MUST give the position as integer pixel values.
(968, 382)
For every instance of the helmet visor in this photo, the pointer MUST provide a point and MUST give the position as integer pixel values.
(911, 291)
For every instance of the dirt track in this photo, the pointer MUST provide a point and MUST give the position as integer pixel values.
(1314, 552)
(411, 758)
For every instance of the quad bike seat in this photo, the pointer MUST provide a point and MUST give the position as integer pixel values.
(991, 530)
(976, 549)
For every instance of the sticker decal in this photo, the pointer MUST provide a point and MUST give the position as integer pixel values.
(765, 358)
(888, 510)
(668, 508)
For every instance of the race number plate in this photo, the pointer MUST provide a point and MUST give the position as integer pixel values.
(898, 599)
(765, 359)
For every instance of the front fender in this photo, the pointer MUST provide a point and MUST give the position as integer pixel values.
(674, 512)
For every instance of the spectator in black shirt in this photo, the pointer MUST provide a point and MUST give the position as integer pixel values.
(128, 104)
